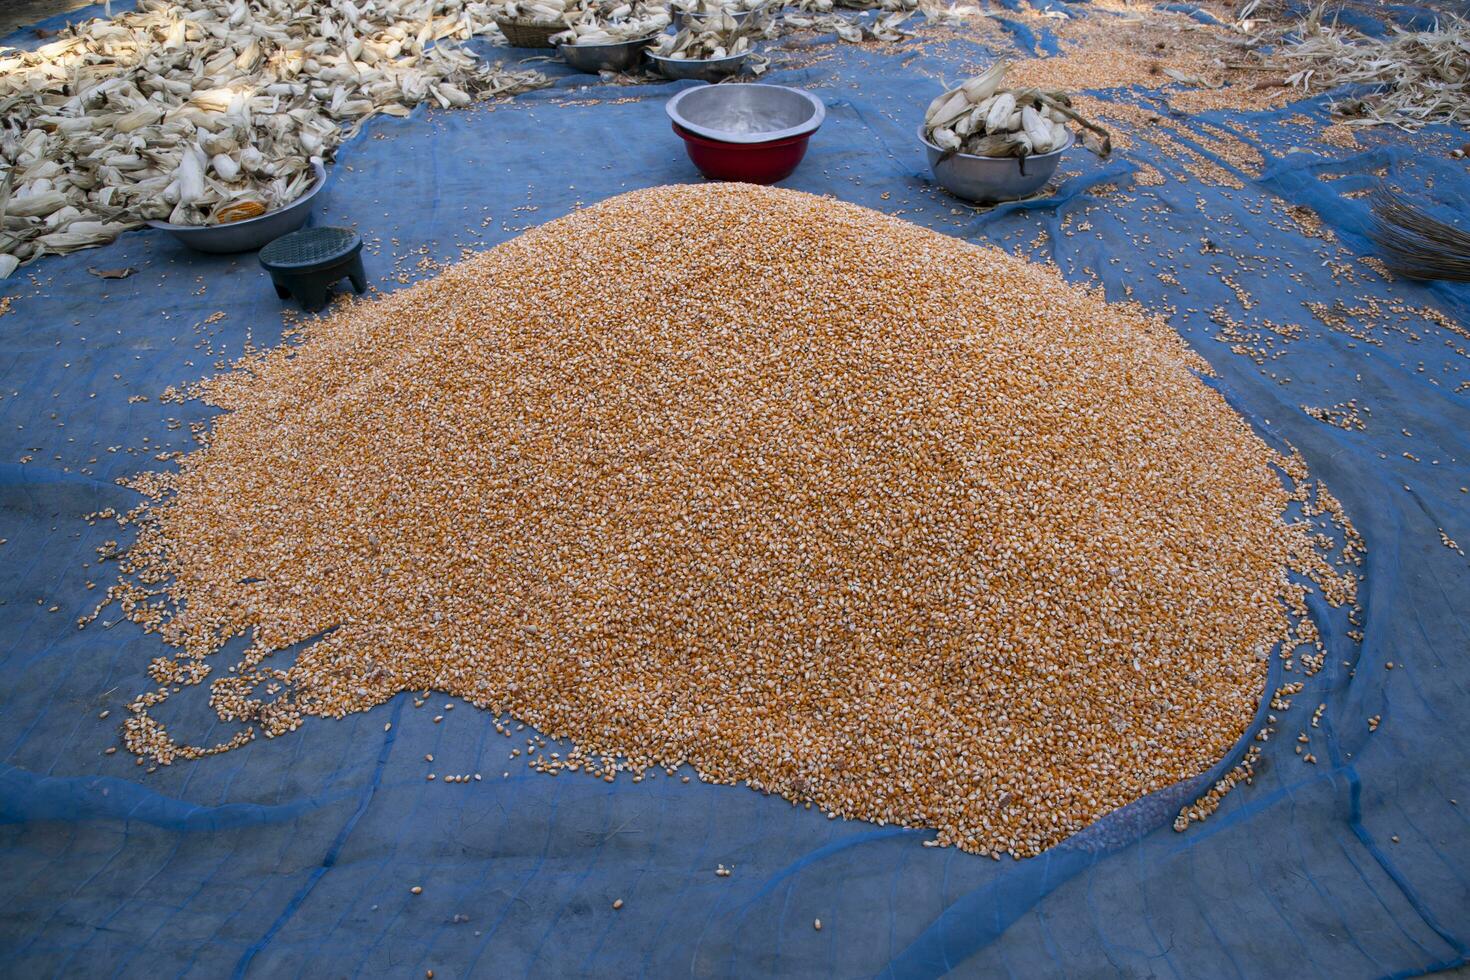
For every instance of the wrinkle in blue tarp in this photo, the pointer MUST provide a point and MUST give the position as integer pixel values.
(295, 856)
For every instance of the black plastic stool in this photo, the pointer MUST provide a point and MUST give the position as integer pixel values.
(304, 264)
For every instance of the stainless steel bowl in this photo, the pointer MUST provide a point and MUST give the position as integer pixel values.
(752, 113)
(252, 233)
(593, 58)
(700, 69)
(989, 180)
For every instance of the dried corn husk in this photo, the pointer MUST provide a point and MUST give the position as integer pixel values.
(828, 6)
(981, 117)
(885, 28)
(611, 23)
(539, 11)
(198, 111)
(709, 36)
(706, 8)
(37, 204)
(1421, 77)
(820, 15)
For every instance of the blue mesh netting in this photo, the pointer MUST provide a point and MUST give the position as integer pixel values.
(295, 856)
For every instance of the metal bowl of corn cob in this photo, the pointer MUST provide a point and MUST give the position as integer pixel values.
(701, 69)
(613, 56)
(248, 233)
(708, 48)
(988, 143)
(990, 180)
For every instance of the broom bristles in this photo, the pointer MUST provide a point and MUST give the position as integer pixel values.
(1415, 245)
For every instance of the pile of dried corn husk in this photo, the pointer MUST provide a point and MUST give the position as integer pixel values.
(1423, 77)
(983, 118)
(199, 110)
(610, 23)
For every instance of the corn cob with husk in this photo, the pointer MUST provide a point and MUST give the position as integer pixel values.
(888, 27)
(981, 117)
(613, 22)
(704, 8)
(710, 36)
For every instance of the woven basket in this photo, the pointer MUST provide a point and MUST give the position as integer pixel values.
(528, 33)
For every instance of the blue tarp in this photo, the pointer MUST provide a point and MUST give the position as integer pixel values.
(295, 856)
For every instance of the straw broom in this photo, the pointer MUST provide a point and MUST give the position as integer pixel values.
(1416, 245)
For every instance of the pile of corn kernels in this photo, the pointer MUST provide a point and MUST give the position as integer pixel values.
(796, 493)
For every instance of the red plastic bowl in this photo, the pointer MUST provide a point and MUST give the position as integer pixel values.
(752, 163)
